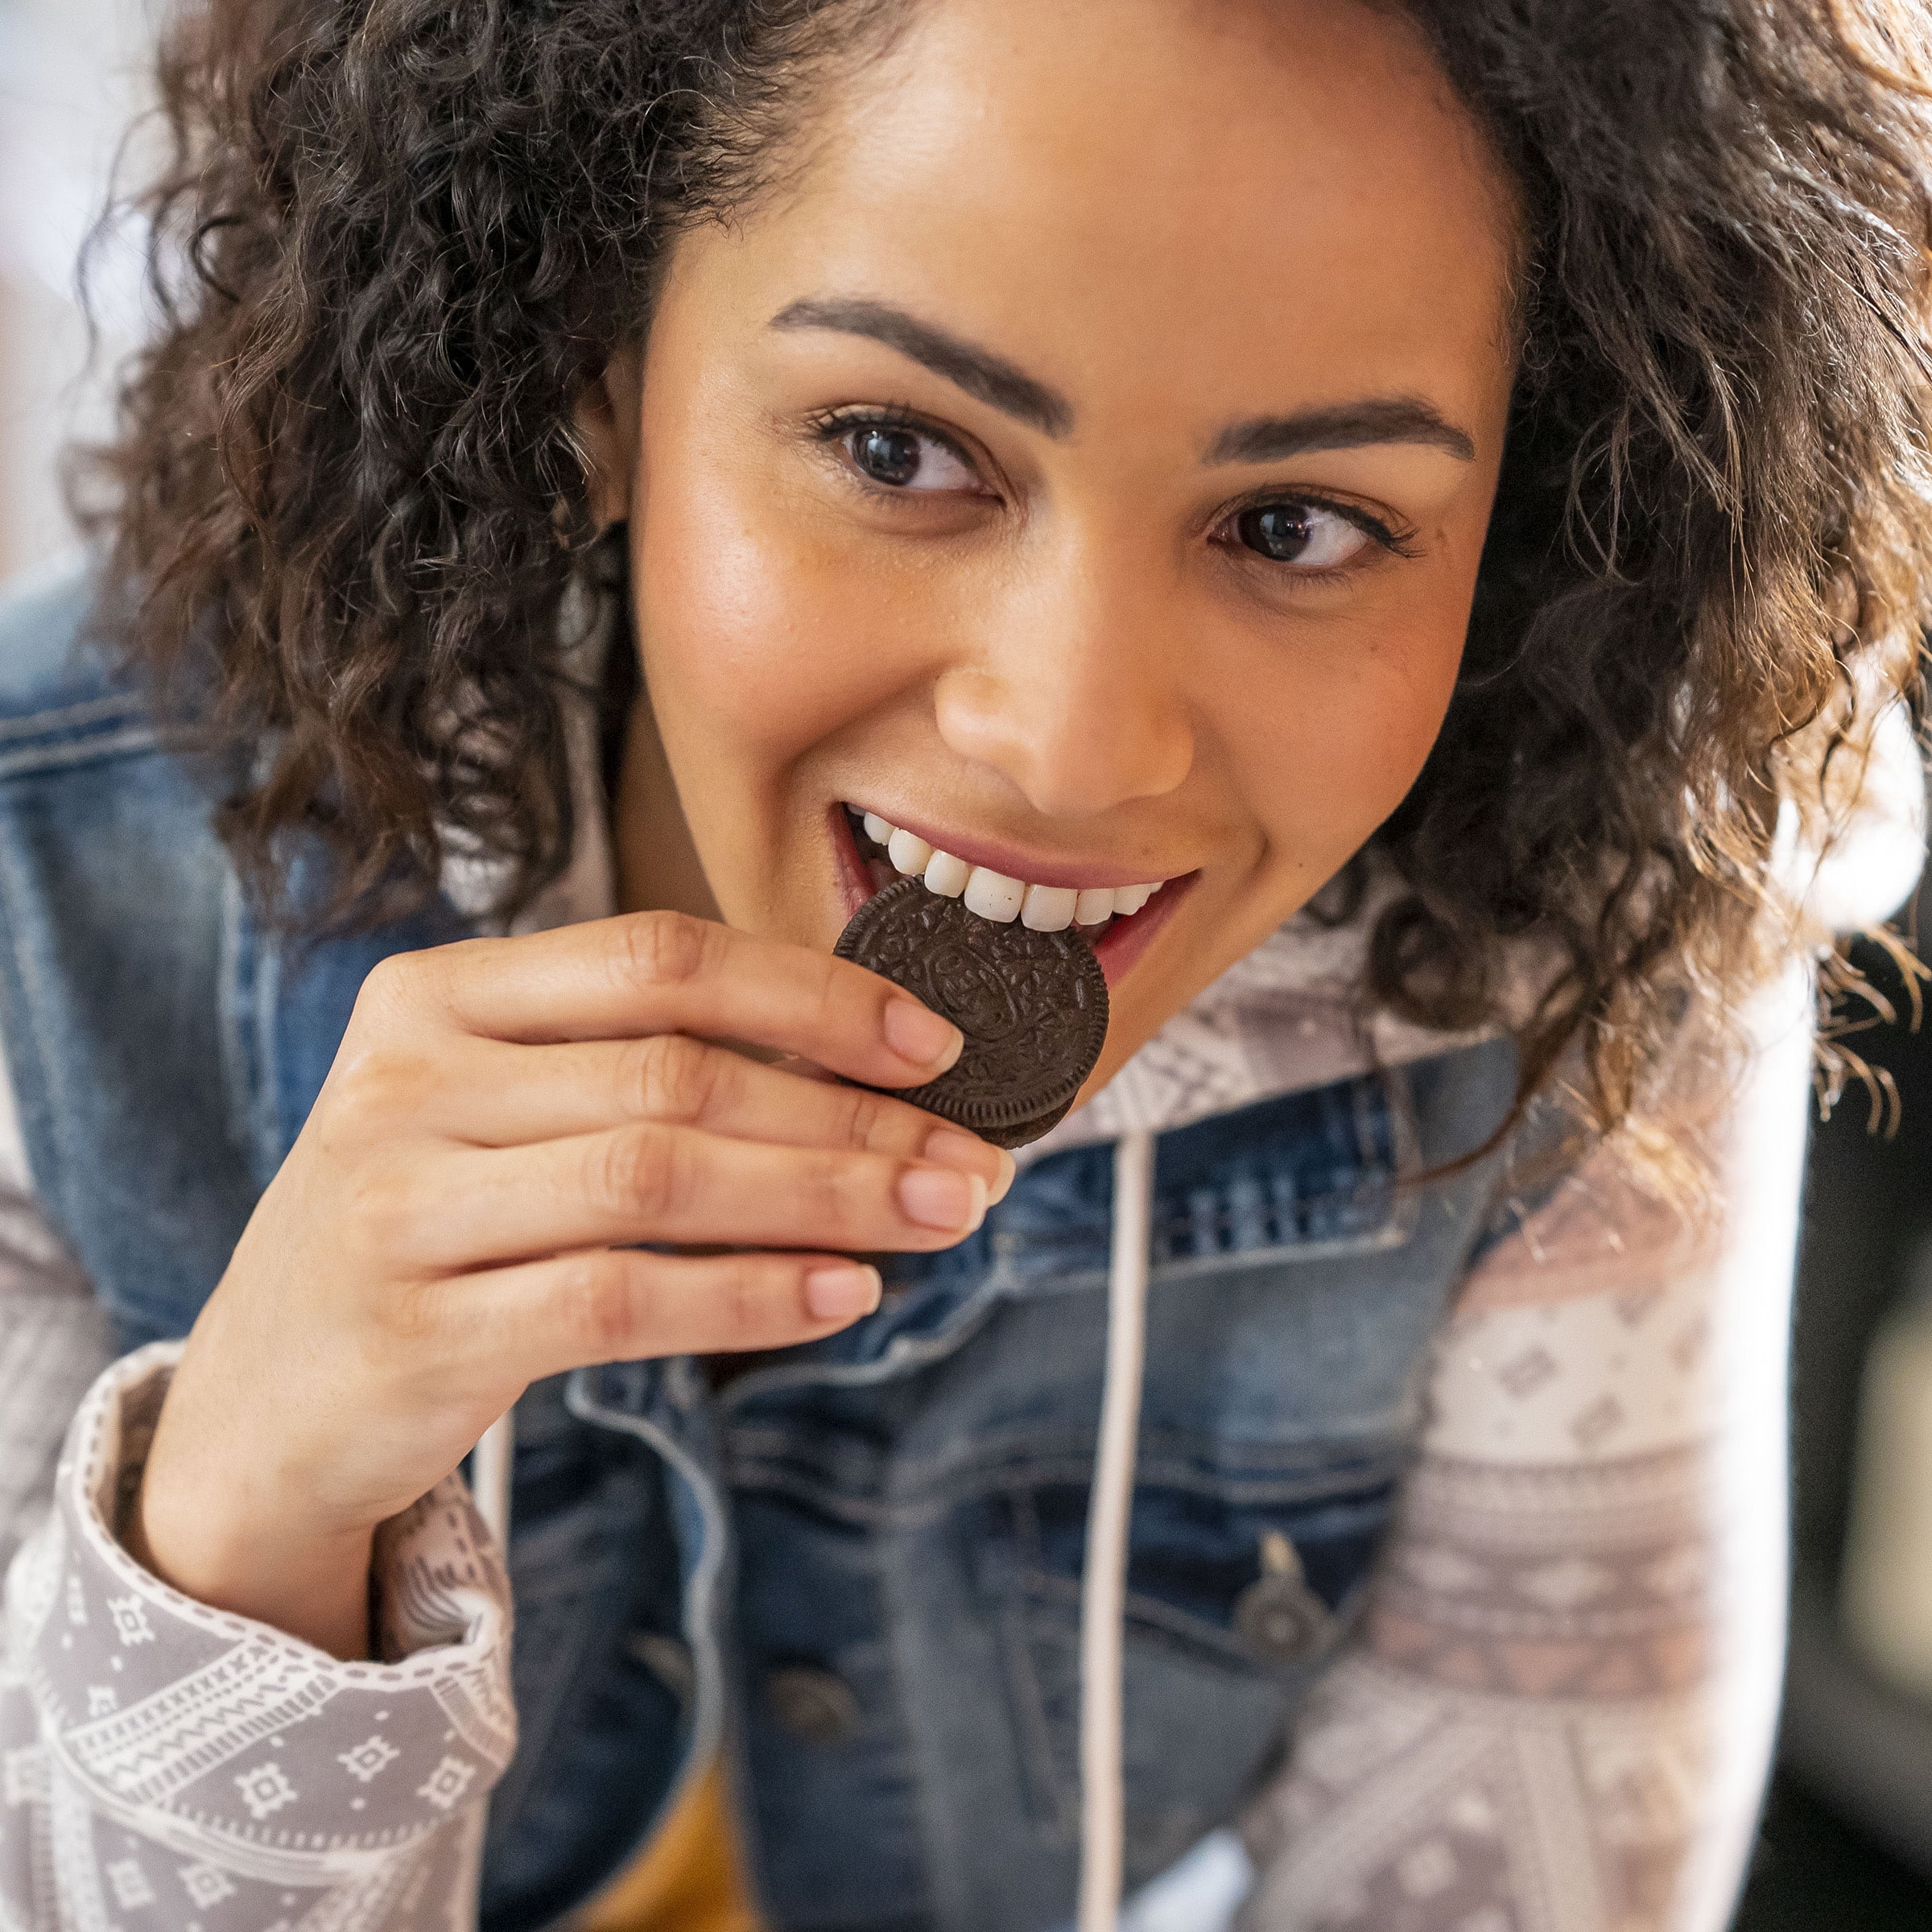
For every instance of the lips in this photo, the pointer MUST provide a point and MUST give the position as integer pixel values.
(1118, 921)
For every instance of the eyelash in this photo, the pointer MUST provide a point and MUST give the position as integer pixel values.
(1398, 543)
(832, 426)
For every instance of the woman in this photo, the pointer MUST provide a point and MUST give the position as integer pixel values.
(1437, 492)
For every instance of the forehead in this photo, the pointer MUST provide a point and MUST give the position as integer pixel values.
(1140, 196)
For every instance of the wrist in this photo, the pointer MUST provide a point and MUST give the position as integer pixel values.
(216, 1543)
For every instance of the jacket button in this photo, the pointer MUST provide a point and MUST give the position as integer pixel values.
(668, 1659)
(816, 1707)
(1277, 1616)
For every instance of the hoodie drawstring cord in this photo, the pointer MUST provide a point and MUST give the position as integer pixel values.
(490, 1466)
(1104, 1586)
(489, 1478)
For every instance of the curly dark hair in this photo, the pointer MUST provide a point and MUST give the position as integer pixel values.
(396, 237)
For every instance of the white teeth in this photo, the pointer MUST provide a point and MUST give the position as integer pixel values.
(946, 875)
(994, 896)
(1048, 908)
(908, 852)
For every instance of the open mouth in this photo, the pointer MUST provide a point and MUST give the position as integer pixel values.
(1117, 921)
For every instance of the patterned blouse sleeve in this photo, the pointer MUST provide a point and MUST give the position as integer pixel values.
(217, 1775)
(1557, 1714)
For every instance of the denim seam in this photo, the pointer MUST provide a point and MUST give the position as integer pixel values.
(1052, 1278)
(700, 1593)
(37, 1078)
(77, 716)
(903, 1355)
(85, 751)
(1057, 1802)
(1354, 1443)
(238, 1015)
(1150, 1619)
(902, 1515)
(269, 1123)
(1357, 1440)
(929, 1832)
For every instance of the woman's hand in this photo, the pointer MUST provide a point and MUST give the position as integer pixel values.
(504, 1119)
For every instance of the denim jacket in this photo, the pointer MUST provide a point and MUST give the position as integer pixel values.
(855, 1570)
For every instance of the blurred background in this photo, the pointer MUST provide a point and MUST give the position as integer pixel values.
(1847, 1839)
(70, 83)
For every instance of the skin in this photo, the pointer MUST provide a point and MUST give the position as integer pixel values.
(1082, 257)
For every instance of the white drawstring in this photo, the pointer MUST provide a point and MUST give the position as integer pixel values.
(489, 1468)
(489, 1478)
(1104, 1592)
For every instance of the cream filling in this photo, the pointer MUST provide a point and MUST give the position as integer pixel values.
(994, 896)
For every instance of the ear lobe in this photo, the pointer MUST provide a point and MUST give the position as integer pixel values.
(605, 420)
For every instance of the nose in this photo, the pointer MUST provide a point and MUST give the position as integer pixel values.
(1073, 688)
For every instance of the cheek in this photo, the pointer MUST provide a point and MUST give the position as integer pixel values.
(756, 646)
(1346, 736)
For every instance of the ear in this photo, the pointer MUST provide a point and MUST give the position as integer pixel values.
(606, 420)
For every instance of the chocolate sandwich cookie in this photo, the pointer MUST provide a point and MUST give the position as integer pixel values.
(1033, 1006)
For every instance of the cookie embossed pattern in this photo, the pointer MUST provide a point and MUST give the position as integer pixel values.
(1033, 1006)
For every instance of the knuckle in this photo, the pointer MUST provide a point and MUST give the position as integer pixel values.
(829, 1193)
(415, 1314)
(641, 1171)
(846, 991)
(608, 1300)
(401, 981)
(869, 1118)
(672, 1078)
(743, 1305)
(374, 1090)
(381, 1211)
(663, 949)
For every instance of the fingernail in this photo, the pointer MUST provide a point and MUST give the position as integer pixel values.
(916, 1033)
(938, 1197)
(839, 1292)
(950, 1147)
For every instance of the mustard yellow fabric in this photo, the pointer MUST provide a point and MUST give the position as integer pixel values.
(689, 1880)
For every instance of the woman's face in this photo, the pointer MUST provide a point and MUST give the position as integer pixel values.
(1083, 466)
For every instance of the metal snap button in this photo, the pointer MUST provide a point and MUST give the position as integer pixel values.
(668, 1659)
(816, 1707)
(1277, 1616)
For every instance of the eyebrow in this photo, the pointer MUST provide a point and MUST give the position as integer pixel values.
(1347, 426)
(1000, 384)
(992, 378)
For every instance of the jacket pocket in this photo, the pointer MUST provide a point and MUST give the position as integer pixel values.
(1234, 1605)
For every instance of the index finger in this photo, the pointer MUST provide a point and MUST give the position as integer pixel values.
(651, 972)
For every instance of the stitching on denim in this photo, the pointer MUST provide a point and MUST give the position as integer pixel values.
(72, 717)
(80, 751)
(899, 1512)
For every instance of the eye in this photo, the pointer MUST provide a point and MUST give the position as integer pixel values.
(1311, 535)
(900, 457)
